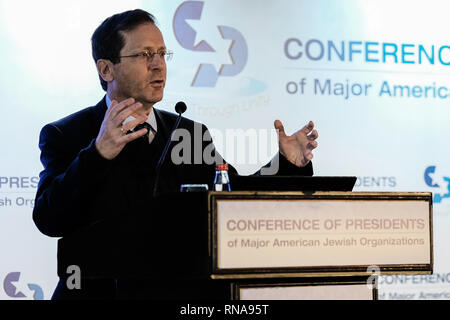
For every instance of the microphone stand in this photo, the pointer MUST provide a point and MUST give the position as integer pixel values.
(180, 108)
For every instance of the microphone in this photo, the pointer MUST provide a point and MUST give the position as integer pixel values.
(180, 108)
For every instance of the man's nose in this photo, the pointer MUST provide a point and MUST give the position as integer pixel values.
(157, 62)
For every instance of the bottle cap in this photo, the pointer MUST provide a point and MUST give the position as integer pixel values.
(222, 167)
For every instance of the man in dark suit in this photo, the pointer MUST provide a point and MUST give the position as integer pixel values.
(99, 173)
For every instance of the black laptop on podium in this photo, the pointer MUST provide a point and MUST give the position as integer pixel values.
(292, 183)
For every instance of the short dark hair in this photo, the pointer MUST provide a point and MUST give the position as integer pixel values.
(107, 40)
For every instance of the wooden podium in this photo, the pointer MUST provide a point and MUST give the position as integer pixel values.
(257, 245)
(322, 245)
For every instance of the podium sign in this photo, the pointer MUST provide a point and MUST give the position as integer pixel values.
(345, 290)
(285, 234)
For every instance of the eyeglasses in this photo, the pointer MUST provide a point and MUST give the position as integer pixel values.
(166, 55)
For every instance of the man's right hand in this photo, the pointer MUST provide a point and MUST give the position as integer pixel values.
(112, 137)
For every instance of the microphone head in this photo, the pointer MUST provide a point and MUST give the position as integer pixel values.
(180, 107)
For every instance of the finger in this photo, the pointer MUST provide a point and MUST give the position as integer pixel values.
(130, 125)
(307, 158)
(308, 128)
(133, 136)
(120, 106)
(314, 135)
(124, 114)
(279, 127)
(113, 104)
(312, 145)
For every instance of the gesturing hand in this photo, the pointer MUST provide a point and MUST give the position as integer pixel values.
(112, 137)
(298, 147)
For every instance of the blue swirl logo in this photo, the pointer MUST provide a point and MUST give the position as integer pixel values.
(207, 75)
(431, 181)
(11, 289)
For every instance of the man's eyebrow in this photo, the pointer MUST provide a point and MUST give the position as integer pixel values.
(150, 48)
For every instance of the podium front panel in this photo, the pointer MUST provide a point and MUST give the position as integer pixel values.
(309, 290)
(266, 234)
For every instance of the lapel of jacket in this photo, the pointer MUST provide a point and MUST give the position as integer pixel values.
(170, 173)
(99, 112)
(163, 125)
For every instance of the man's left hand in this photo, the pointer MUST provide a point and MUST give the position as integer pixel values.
(298, 147)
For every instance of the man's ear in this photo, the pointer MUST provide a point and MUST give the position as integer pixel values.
(105, 69)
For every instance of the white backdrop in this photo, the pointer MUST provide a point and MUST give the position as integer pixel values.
(290, 60)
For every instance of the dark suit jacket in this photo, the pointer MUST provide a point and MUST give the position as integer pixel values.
(103, 209)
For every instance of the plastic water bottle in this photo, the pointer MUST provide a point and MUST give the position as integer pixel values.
(222, 181)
